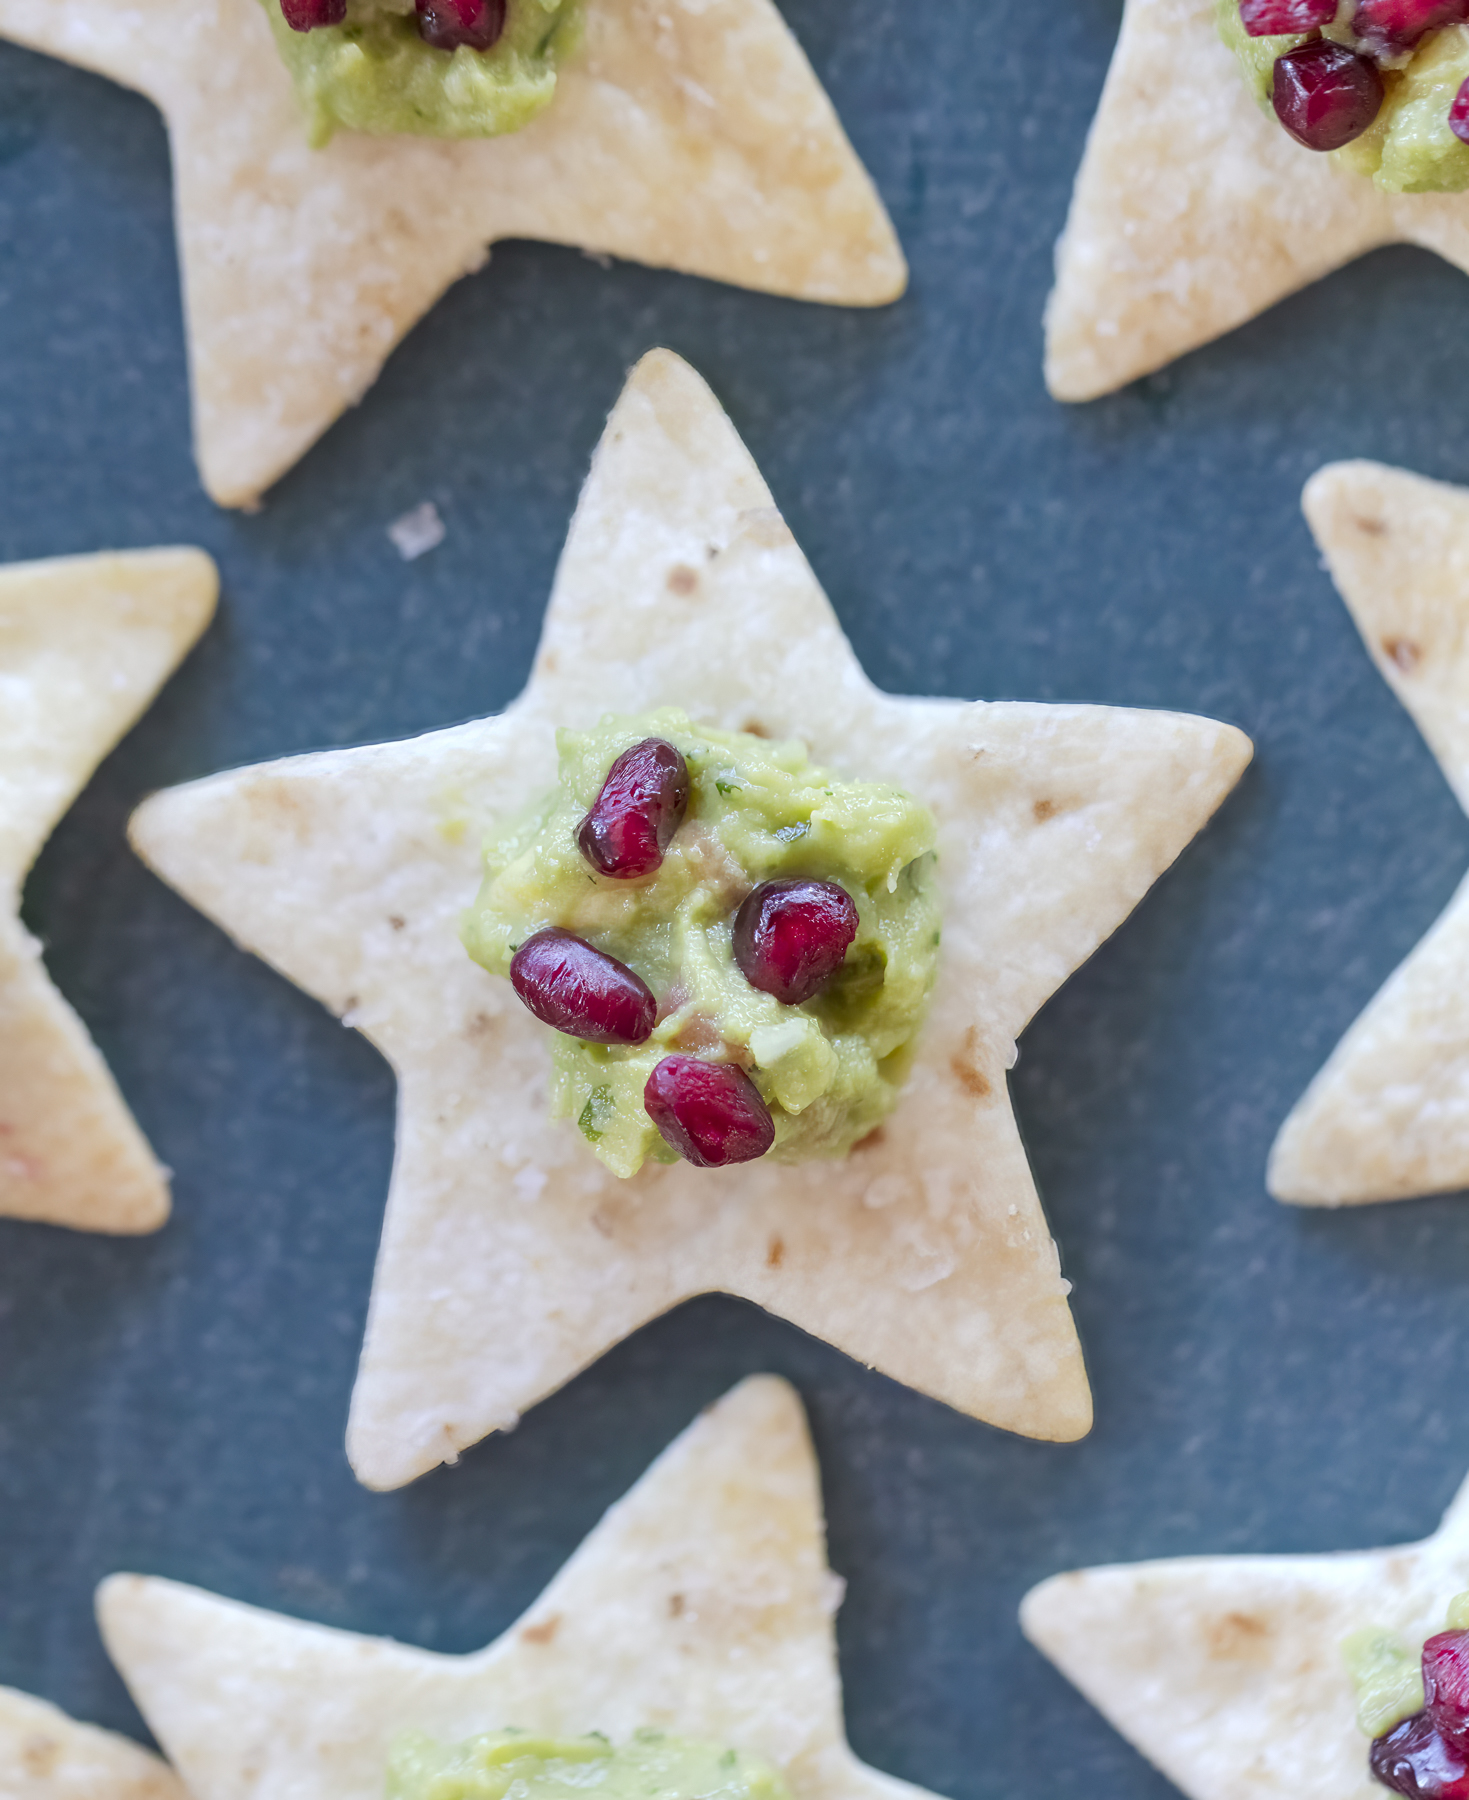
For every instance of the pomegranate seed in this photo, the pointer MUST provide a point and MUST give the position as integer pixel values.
(1388, 27)
(1325, 95)
(711, 1113)
(790, 937)
(1414, 1759)
(306, 15)
(448, 24)
(1446, 1685)
(1272, 18)
(1459, 114)
(641, 805)
(577, 989)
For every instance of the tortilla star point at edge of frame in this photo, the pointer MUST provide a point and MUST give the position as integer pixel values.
(44, 1755)
(1387, 1117)
(683, 135)
(1226, 1672)
(510, 1257)
(701, 1604)
(85, 644)
(1193, 211)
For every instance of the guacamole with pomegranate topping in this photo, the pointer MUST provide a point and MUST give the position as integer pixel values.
(376, 73)
(654, 970)
(653, 1766)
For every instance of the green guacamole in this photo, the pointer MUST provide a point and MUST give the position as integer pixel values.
(1409, 148)
(1387, 1672)
(374, 73)
(830, 1070)
(539, 1768)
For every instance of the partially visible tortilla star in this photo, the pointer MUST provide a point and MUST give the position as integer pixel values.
(1194, 211)
(687, 134)
(510, 1257)
(44, 1755)
(85, 644)
(1388, 1115)
(1226, 1672)
(701, 1605)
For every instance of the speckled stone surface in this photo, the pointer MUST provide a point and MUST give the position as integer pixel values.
(1265, 1379)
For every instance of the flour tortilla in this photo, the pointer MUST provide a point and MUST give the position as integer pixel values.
(1226, 1671)
(688, 134)
(44, 1755)
(85, 643)
(1388, 1116)
(701, 1604)
(1194, 211)
(510, 1258)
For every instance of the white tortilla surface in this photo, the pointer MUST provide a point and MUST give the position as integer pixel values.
(1388, 1116)
(510, 1257)
(1226, 1671)
(85, 644)
(701, 1605)
(1194, 211)
(687, 134)
(44, 1755)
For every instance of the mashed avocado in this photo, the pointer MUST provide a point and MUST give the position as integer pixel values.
(374, 73)
(538, 1768)
(1387, 1673)
(1409, 149)
(830, 1070)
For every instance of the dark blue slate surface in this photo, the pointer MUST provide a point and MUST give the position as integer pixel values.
(1265, 1378)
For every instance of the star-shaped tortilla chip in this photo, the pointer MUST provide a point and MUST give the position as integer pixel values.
(510, 1258)
(1194, 211)
(44, 1755)
(1226, 1672)
(1388, 1115)
(85, 644)
(701, 1605)
(687, 134)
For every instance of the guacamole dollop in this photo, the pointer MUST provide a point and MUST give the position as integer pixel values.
(653, 1766)
(374, 73)
(1409, 148)
(830, 1070)
(1387, 1672)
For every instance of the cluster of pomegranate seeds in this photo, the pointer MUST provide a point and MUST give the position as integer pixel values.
(1274, 18)
(790, 937)
(307, 15)
(1325, 95)
(711, 1113)
(641, 805)
(1427, 1757)
(455, 24)
(575, 988)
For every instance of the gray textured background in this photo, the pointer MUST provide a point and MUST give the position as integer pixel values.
(1265, 1378)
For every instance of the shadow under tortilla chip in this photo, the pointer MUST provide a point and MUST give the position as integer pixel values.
(686, 136)
(85, 644)
(510, 1258)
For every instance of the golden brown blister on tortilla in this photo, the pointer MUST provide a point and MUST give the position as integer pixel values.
(687, 134)
(44, 1755)
(1226, 1672)
(1388, 1115)
(85, 643)
(510, 1258)
(701, 1604)
(1194, 211)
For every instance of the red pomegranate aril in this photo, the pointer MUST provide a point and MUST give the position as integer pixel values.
(574, 987)
(1446, 1685)
(456, 24)
(1324, 95)
(1416, 1760)
(308, 15)
(641, 805)
(1459, 114)
(711, 1113)
(1389, 27)
(1273, 18)
(790, 937)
